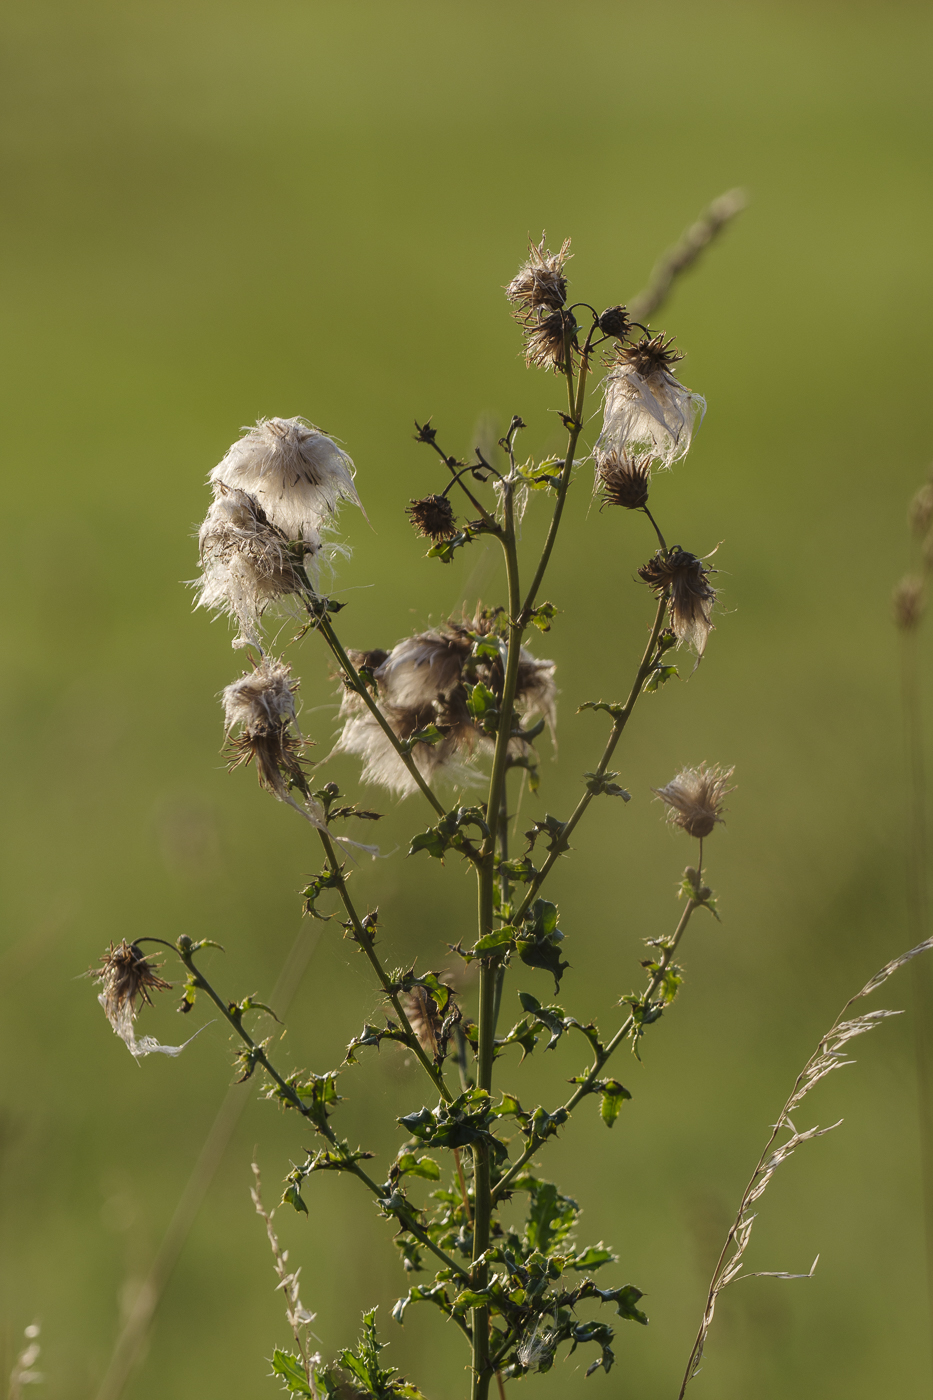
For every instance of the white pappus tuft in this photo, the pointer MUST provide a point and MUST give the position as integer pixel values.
(648, 414)
(298, 475)
(247, 563)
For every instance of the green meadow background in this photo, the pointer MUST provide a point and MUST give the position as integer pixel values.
(216, 211)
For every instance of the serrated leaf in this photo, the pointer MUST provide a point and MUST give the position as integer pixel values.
(658, 677)
(291, 1371)
(496, 941)
(410, 1165)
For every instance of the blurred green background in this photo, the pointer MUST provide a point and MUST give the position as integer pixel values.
(217, 211)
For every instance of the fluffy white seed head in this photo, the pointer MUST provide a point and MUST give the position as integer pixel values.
(246, 563)
(695, 797)
(421, 682)
(648, 414)
(298, 475)
(262, 699)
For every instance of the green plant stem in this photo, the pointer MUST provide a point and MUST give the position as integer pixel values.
(621, 720)
(323, 625)
(259, 1056)
(602, 1057)
(365, 939)
(574, 430)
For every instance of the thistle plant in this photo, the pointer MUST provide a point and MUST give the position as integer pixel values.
(450, 719)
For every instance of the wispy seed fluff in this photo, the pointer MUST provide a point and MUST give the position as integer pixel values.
(691, 597)
(298, 475)
(694, 799)
(126, 980)
(540, 281)
(247, 564)
(422, 681)
(260, 727)
(260, 706)
(648, 414)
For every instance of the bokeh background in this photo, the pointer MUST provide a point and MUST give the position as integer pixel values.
(217, 211)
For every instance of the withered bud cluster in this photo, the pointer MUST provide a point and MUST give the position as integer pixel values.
(538, 292)
(433, 517)
(691, 597)
(261, 706)
(695, 797)
(423, 681)
(624, 481)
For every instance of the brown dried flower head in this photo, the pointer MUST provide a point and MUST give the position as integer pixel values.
(624, 480)
(548, 341)
(615, 321)
(907, 602)
(650, 355)
(694, 799)
(433, 517)
(540, 281)
(691, 597)
(126, 977)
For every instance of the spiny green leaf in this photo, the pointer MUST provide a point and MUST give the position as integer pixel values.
(290, 1369)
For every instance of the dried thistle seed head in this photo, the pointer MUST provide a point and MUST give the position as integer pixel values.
(262, 704)
(549, 341)
(126, 977)
(421, 682)
(691, 597)
(624, 480)
(278, 756)
(650, 355)
(615, 321)
(907, 602)
(247, 563)
(540, 281)
(263, 696)
(298, 474)
(647, 412)
(921, 509)
(433, 517)
(694, 799)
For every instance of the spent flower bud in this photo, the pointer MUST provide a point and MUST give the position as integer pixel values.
(549, 341)
(615, 321)
(623, 479)
(691, 597)
(433, 517)
(694, 799)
